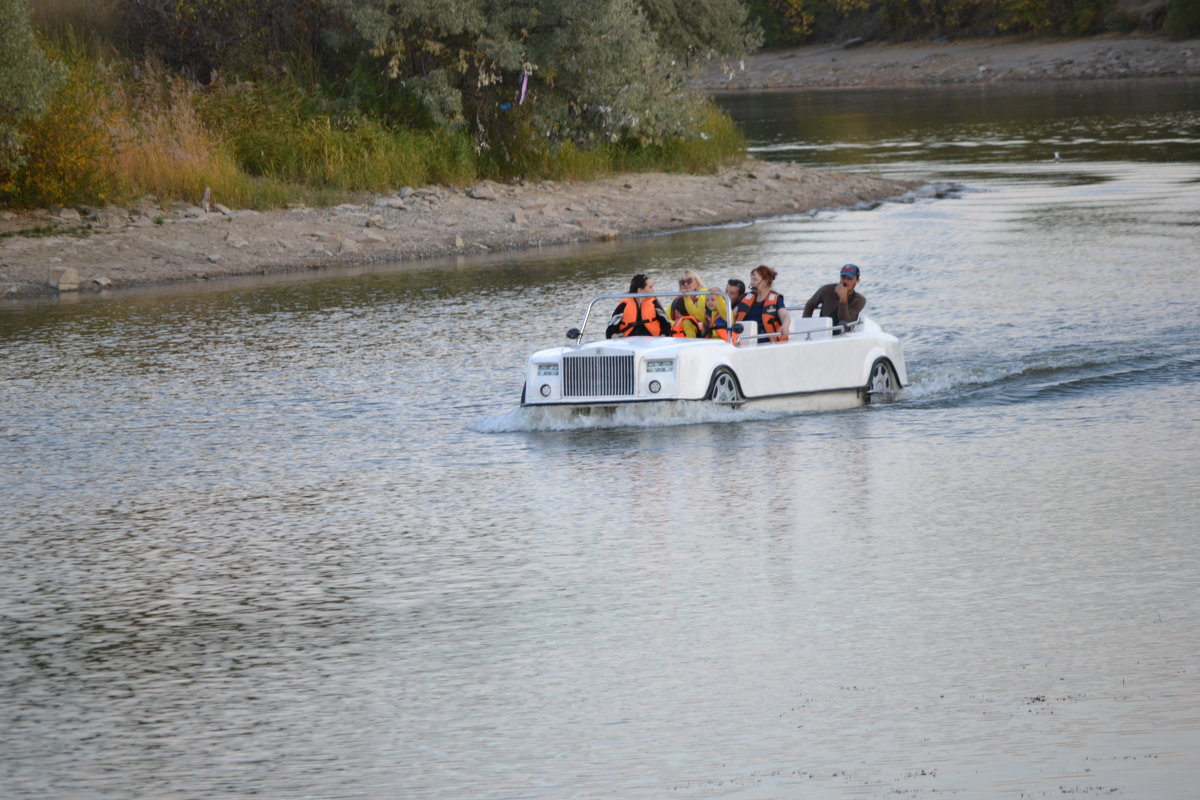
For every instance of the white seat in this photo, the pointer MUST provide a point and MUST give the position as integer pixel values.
(812, 327)
(749, 331)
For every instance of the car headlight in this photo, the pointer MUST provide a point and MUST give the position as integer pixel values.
(548, 370)
(660, 366)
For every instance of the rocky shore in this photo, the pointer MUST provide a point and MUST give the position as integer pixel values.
(88, 250)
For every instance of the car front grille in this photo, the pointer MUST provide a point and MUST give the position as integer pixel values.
(597, 376)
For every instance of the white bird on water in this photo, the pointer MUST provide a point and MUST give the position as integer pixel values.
(1056, 156)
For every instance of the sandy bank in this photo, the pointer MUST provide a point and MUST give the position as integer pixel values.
(972, 61)
(107, 249)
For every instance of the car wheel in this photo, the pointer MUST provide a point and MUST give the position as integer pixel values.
(883, 384)
(723, 388)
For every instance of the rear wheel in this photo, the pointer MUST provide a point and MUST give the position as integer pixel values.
(723, 388)
(883, 384)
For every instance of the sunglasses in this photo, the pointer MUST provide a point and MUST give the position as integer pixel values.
(686, 281)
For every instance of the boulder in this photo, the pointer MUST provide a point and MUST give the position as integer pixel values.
(65, 279)
(481, 192)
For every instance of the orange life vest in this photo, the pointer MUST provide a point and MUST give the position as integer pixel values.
(771, 322)
(681, 329)
(718, 326)
(635, 314)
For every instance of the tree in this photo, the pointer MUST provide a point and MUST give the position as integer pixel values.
(203, 36)
(27, 80)
(702, 30)
(581, 70)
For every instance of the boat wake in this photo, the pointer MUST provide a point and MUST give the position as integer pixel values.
(1049, 378)
(640, 415)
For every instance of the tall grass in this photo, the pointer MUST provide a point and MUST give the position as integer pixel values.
(274, 132)
(97, 23)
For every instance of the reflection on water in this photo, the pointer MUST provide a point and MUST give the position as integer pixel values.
(294, 538)
(1141, 121)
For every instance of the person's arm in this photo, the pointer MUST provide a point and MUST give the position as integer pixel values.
(812, 303)
(848, 309)
(785, 321)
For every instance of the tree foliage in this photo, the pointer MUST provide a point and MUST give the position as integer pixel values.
(204, 36)
(1183, 19)
(578, 70)
(27, 80)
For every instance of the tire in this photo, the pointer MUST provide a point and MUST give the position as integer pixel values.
(882, 385)
(724, 388)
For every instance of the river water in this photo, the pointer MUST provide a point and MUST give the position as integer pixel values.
(292, 537)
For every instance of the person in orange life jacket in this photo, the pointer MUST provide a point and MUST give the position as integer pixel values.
(687, 311)
(764, 305)
(716, 320)
(838, 300)
(638, 316)
(736, 291)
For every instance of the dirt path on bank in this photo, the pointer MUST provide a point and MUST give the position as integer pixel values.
(105, 249)
(975, 61)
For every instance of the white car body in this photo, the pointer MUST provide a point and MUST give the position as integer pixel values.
(814, 369)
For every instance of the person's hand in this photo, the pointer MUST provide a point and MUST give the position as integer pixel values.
(843, 291)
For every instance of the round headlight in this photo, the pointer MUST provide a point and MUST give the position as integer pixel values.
(545, 390)
(655, 387)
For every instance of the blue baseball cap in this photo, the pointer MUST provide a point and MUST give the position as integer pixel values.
(850, 271)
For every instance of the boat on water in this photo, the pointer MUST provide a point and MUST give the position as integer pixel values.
(820, 366)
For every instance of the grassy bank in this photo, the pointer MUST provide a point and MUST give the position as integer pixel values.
(119, 128)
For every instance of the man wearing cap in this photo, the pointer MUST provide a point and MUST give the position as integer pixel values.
(838, 300)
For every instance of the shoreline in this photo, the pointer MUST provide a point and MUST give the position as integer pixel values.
(101, 250)
(875, 65)
(115, 248)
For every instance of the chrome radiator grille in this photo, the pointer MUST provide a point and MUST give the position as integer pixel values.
(596, 376)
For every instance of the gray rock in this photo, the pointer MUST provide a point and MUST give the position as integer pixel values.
(65, 279)
(69, 215)
(350, 246)
(223, 209)
(481, 192)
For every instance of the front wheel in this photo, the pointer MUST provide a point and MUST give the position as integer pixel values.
(723, 388)
(883, 384)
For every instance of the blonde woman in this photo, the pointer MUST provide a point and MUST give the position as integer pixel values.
(687, 311)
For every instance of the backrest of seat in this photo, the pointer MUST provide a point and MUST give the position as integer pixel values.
(749, 331)
(812, 327)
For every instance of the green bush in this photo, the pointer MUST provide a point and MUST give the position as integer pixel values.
(69, 149)
(28, 78)
(280, 131)
(1183, 19)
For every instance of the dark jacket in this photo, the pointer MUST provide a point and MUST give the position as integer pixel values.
(831, 306)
